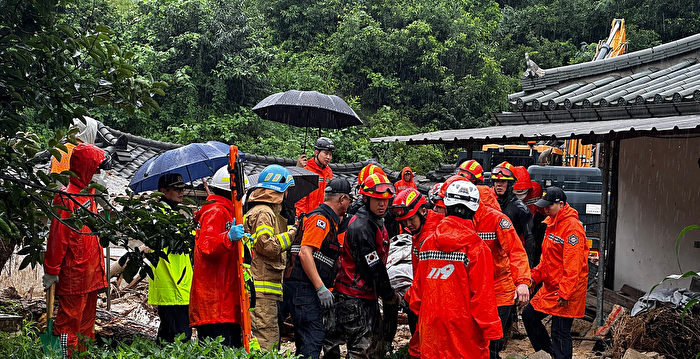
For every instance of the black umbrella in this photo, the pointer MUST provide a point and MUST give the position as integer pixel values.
(307, 109)
(305, 182)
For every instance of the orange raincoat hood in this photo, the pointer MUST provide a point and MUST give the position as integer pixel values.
(84, 161)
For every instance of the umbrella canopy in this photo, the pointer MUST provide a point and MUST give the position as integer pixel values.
(305, 182)
(307, 109)
(194, 161)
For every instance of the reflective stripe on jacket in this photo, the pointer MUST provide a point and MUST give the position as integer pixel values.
(563, 268)
(271, 239)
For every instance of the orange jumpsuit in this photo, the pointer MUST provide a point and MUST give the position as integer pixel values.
(563, 268)
(401, 184)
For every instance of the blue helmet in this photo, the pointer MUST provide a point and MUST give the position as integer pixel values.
(275, 177)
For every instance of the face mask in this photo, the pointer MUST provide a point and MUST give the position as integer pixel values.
(520, 194)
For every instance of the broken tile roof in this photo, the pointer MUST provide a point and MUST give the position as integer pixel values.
(140, 149)
(660, 77)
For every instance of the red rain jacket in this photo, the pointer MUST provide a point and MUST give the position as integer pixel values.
(452, 293)
(563, 268)
(488, 197)
(533, 195)
(432, 219)
(214, 297)
(76, 258)
(401, 184)
(315, 198)
(510, 265)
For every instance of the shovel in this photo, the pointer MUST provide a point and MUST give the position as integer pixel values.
(50, 342)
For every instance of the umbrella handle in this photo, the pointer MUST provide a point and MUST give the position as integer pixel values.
(50, 295)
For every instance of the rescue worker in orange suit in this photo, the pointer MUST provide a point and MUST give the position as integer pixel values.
(510, 265)
(74, 261)
(563, 271)
(271, 239)
(362, 277)
(311, 269)
(410, 209)
(320, 165)
(215, 297)
(392, 225)
(406, 180)
(503, 181)
(453, 289)
(472, 171)
(530, 192)
(484, 192)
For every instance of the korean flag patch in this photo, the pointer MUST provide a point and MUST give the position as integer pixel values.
(573, 240)
(372, 259)
(504, 223)
(321, 224)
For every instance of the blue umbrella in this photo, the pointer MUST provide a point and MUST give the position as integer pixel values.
(194, 161)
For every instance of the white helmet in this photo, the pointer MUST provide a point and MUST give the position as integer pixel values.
(464, 193)
(222, 179)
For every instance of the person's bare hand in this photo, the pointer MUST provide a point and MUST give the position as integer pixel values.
(562, 302)
(301, 161)
(522, 293)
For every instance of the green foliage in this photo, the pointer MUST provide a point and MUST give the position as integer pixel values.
(23, 345)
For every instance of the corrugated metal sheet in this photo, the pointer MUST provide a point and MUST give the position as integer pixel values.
(594, 130)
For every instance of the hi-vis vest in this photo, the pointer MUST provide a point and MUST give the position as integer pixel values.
(171, 281)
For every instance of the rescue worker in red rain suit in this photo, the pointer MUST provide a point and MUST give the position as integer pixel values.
(472, 171)
(530, 192)
(362, 277)
(410, 208)
(214, 297)
(510, 265)
(320, 165)
(563, 270)
(74, 261)
(453, 291)
(406, 180)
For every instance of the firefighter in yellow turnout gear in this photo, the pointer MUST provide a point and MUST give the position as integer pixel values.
(271, 237)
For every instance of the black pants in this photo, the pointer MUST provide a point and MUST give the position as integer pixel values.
(231, 332)
(357, 324)
(560, 346)
(309, 332)
(505, 314)
(174, 320)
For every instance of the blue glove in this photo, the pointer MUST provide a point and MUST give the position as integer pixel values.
(236, 232)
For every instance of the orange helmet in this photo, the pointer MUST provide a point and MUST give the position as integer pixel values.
(377, 185)
(472, 171)
(368, 170)
(523, 178)
(443, 188)
(503, 172)
(407, 203)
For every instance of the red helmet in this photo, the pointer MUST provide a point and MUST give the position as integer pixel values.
(503, 172)
(368, 170)
(471, 170)
(443, 188)
(523, 177)
(407, 203)
(377, 185)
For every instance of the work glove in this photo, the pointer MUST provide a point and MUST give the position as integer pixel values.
(236, 232)
(48, 280)
(325, 296)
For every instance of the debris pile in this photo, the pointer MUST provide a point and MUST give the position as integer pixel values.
(663, 330)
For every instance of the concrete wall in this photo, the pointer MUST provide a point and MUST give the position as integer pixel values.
(659, 195)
